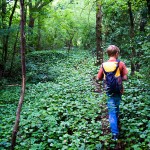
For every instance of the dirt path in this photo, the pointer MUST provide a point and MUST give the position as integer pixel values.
(119, 145)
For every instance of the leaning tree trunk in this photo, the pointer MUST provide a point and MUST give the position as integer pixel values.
(16, 126)
(99, 50)
(133, 52)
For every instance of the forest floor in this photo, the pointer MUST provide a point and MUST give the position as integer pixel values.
(64, 108)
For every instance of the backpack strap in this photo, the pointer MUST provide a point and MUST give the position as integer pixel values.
(104, 70)
(117, 63)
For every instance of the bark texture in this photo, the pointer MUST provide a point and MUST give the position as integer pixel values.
(16, 126)
(99, 50)
(133, 52)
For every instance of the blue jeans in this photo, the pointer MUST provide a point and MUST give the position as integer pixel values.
(113, 109)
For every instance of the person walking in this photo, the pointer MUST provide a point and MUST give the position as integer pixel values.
(113, 72)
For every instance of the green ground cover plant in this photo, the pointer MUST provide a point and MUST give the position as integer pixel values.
(62, 111)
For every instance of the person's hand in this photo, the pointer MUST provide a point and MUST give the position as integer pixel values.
(95, 79)
(125, 78)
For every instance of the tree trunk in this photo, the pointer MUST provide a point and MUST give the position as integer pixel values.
(148, 5)
(13, 55)
(99, 50)
(70, 43)
(34, 7)
(133, 52)
(31, 19)
(16, 126)
(31, 22)
(4, 26)
(5, 44)
(39, 33)
(31, 26)
(144, 18)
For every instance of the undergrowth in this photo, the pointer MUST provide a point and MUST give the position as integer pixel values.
(61, 109)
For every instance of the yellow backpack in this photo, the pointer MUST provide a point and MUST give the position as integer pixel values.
(112, 78)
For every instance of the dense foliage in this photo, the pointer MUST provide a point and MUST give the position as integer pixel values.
(62, 111)
(70, 24)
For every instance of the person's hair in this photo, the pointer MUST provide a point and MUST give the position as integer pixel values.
(112, 50)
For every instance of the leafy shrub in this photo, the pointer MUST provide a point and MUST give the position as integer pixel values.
(40, 65)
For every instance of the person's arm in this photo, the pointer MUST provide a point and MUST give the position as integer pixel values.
(124, 78)
(100, 74)
(124, 72)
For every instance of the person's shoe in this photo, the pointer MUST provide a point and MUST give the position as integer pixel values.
(115, 137)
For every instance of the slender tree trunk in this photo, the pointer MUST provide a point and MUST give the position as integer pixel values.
(133, 53)
(31, 19)
(148, 5)
(30, 25)
(4, 26)
(5, 44)
(99, 50)
(39, 33)
(70, 43)
(13, 55)
(16, 126)
(34, 6)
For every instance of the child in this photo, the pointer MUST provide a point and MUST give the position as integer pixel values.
(114, 95)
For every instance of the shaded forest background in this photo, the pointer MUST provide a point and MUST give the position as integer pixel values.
(70, 37)
(73, 24)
